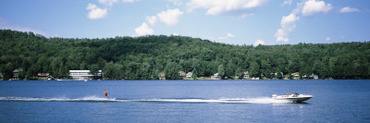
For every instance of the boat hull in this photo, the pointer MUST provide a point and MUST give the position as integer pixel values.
(296, 99)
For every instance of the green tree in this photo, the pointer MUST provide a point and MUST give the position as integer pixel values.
(239, 72)
(94, 69)
(172, 70)
(112, 71)
(144, 57)
(254, 69)
(221, 71)
(266, 68)
(195, 74)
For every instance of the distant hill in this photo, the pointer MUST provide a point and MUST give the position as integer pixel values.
(145, 57)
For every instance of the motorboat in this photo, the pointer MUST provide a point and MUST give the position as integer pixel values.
(295, 97)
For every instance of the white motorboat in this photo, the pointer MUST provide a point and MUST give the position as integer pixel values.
(295, 97)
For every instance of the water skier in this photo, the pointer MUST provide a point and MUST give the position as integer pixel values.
(106, 94)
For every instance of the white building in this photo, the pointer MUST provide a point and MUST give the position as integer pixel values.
(216, 76)
(189, 75)
(83, 74)
(246, 75)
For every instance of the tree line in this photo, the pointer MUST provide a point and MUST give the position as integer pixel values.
(145, 57)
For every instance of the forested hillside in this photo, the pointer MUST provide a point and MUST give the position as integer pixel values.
(145, 57)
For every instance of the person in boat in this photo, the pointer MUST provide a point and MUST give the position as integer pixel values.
(287, 95)
(106, 94)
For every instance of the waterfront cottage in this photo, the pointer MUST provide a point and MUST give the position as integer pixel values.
(162, 76)
(189, 74)
(182, 74)
(84, 74)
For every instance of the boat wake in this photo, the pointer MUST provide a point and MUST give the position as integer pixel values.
(57, 99)
(262, 100)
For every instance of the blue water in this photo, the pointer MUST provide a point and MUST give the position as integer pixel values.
(183, 101)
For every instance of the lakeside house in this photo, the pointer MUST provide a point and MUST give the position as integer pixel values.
(295, 75)
(189, 75)
(255, 78)
(216, 76)
(182, 74)
(84, 74)
(16, 74)
(246, 75)
(44, 76)
(162, 76)
(312, 76)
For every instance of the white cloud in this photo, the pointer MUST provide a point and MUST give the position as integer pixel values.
(327, 38)
(215, 7)
(151, 19)
(170, 17)
(348, 9)
(306, 8)
(108, 2)
(288, 2)
(288, 22)
(281, 36)
(129, 1)
(96, 12)
(228, 35)
(287, 25)
(144, 29)
(246, 15)
(259, 42)
(312, 7)
(176, 2)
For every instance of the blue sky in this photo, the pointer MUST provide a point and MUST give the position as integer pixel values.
(228, 21)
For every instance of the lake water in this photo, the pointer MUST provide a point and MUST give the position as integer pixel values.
(183, 101)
